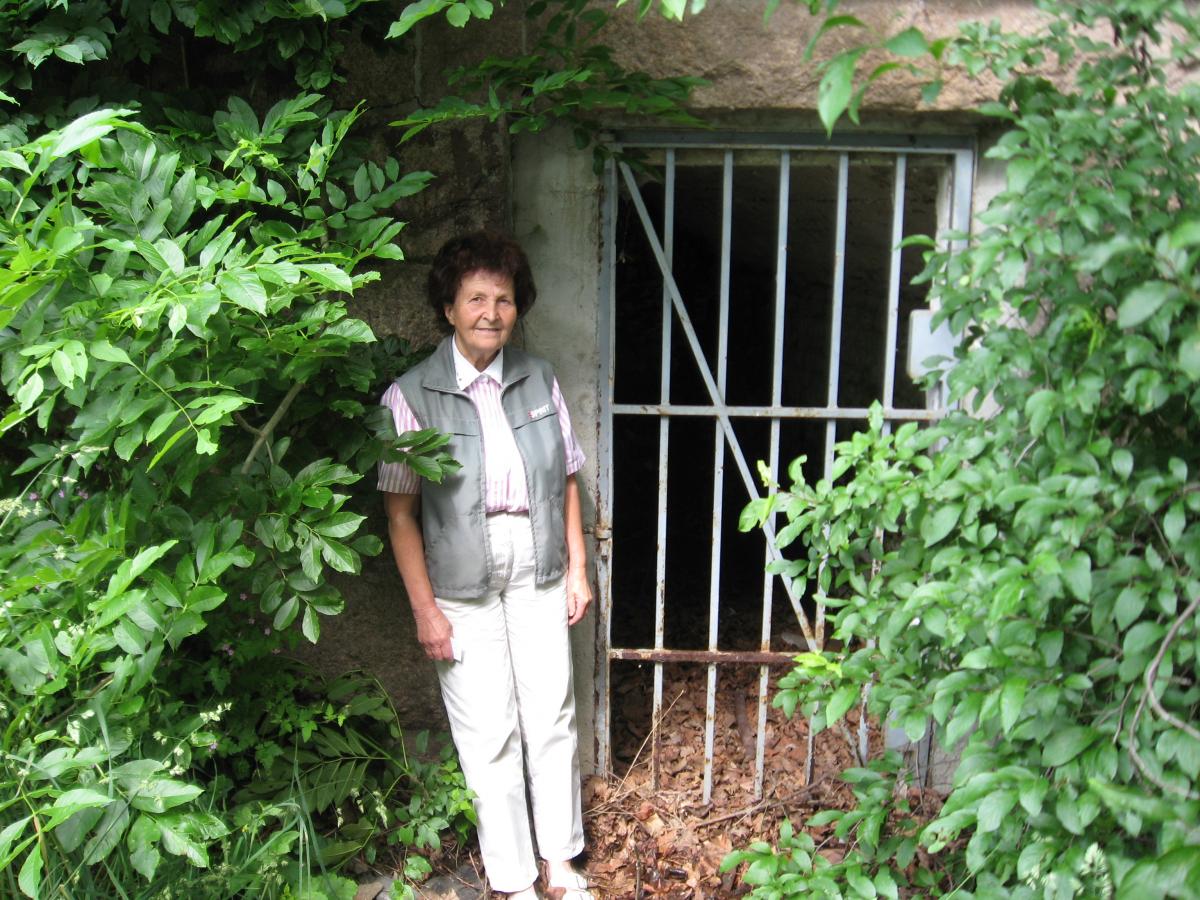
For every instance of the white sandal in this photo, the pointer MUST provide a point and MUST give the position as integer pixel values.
(571, 886)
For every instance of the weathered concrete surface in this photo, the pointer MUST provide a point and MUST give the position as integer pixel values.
(752, 65)
(556, 218)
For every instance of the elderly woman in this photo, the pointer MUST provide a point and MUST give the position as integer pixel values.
(493, 561)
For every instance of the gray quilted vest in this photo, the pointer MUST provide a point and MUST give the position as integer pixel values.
(457, 552)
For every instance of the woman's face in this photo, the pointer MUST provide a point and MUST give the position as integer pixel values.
(483, 314)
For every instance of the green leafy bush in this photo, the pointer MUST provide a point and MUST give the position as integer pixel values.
(190, 409)
(1022, 577)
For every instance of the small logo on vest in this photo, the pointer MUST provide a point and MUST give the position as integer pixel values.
(540, 411)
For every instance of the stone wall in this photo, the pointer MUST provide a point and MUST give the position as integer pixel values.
(472, 168)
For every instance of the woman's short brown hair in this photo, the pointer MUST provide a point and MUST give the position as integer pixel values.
(487, 250)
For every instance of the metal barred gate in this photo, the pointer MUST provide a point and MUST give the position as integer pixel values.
(730, 181)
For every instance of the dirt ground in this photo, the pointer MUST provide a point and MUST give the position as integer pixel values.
(665, 842)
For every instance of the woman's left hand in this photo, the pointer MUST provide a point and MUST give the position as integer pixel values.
(579, 594)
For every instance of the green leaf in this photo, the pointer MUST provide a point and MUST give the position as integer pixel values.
(836, 88)
(171, 255)
(886, 885)
(840, 703)
(458, 15)
(339, 556)
(160, 15)
(362, 183)
(1130, 603)
(178, 838)
(286, 614)
(354, 330)
(908, 43)
(1122, 463)
(29, 392)
(1141, 637)
(1077, 573)
(1174, 522)
(63, 368)
(1012, 699)
(245, 289)
(994, 808)
(22, 674)
(102, 349)
(81, 798)
(144, 856)
(1143, 302)
(1095, 257)
(935, 527)
(755, 512)
(328, 276)
(311, 624)
(1186, 234)
(107, 834)
(1020, 173)
(85, 130)
(830, 23)
(10, 833)
(132, 568)
(1064, 745)
(30, 878)
(339, 525)
(1189, 355)
(160, 794)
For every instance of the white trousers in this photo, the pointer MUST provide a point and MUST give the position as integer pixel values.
(510, 685)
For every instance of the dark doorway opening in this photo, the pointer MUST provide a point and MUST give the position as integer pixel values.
(696, 266)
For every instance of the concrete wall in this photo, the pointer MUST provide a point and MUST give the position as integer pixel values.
(756, 66)
(556, 217)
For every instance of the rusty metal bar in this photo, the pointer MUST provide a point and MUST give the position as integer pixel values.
(770, 412)
(800, 140)
(720, 657)
(664, 436)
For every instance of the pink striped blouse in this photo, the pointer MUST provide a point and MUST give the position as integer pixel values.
(504, 475)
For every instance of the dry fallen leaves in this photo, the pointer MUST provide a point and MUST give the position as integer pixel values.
(646, 841)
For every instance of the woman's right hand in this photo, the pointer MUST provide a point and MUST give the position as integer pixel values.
(434, 632)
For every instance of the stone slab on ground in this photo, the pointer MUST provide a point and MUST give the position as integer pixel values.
(463, 884)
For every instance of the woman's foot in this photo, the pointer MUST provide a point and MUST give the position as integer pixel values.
(530, 893)
(565, 882)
